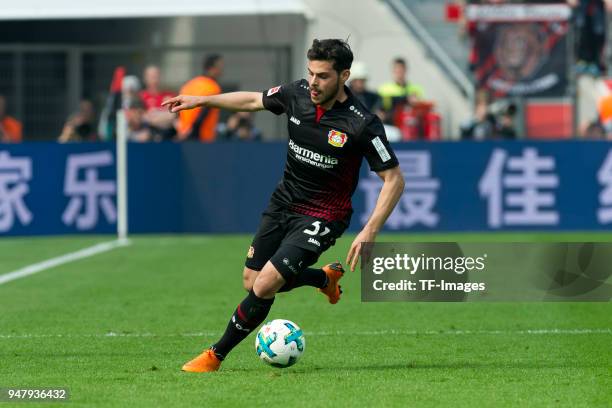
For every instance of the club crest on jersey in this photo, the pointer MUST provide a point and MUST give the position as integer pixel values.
(337, 139)
(274, 90)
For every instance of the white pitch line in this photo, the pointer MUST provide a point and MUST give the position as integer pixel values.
(63, 259)
(329, 333)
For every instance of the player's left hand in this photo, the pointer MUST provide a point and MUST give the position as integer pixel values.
(353, 254)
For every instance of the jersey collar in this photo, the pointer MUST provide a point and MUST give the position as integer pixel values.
(340, 105)
(347, 102)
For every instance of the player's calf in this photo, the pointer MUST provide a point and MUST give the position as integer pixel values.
(249, 314)
(248, 278)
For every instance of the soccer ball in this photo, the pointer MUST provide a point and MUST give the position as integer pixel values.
(280, 343)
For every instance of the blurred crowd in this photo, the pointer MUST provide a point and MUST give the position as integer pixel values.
(147, 121)
(400, 103)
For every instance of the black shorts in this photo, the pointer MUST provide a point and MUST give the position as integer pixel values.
(291, 241)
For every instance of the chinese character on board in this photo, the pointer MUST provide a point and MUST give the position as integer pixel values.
(15, 172)
(88, 194)
(416, 206)
(520, 189)
(604, 177)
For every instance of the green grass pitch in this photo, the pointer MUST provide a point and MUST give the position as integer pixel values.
(116, 328)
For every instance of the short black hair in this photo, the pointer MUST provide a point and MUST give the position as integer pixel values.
(334, 50)
(211, 60)
(400, 60)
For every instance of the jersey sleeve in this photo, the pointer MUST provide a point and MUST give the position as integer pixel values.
(376, 148)
(278, 99)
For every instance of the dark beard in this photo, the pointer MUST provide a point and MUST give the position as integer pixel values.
(332, 96)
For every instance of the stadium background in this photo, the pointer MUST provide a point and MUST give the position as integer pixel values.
(114, 327)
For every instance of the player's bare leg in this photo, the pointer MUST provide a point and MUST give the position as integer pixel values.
(249, 314)
(248, 278)
(268, 282)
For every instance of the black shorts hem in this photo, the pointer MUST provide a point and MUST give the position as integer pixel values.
(252, 264)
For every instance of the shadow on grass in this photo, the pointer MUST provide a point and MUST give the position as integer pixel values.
(442, 365)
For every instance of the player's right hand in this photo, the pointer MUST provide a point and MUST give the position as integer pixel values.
(366, 235)
(182, 102)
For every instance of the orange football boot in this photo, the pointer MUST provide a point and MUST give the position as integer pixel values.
(204, 363)
(334, 272)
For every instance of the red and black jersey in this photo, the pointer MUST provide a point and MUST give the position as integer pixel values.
(325, 151)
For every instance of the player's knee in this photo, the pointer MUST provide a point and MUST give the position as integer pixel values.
(268, 282)
(248, 278)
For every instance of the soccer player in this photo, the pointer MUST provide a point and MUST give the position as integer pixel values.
(329, 134)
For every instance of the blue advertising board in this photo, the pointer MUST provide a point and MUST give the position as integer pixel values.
(48, 188)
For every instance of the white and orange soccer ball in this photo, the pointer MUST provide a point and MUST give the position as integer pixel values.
(280, 343)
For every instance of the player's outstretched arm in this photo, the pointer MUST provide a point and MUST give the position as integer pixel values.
(234, 101)
(393, 186)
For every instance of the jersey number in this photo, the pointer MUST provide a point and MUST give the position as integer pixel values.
(316, 227)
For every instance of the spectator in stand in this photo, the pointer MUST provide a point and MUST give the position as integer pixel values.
(130, 90)
(399, 91)
(161, 121)
(590, 22)
(10, 128)
(505, 129)
(482, 126)
(201, 123)
(357, 84)
(152, 96)
(81, 125)
(601, 126)
(239, 127)
(138, 129)
(490, 121)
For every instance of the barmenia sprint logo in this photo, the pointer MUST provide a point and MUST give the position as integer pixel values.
(314, 159)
